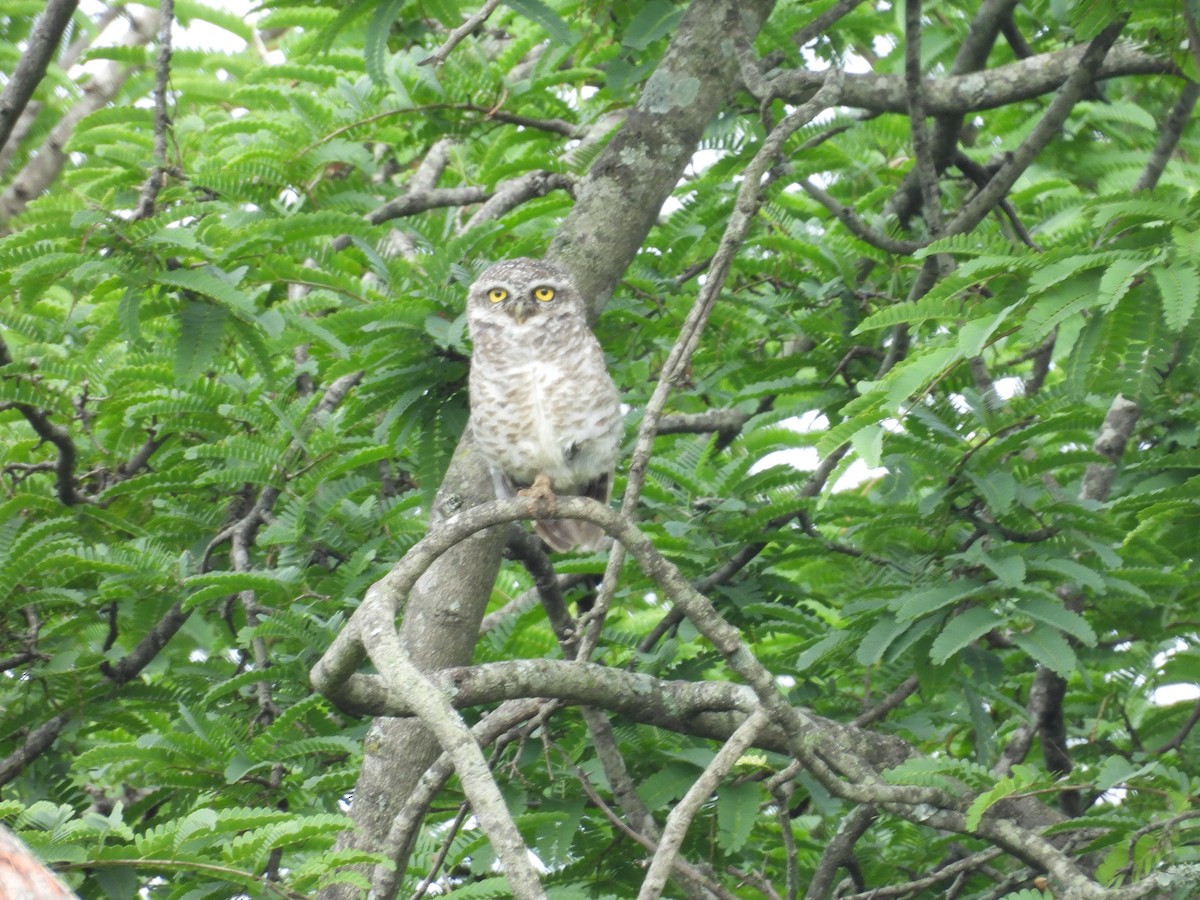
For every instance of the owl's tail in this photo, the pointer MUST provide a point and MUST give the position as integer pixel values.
(562, 535)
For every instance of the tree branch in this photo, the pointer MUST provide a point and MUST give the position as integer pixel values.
(36, 742)
(458, 34)
(1171, 129)
(745, 208)
(857, 226)
(971, 57)
(680, 818)
(506, 196)
(1047, 127)
(30, 71)
(840, 851)
(47, 431)
(44, 166)
(162, 118)
(989, 89)
(724, 421)
(925, 169)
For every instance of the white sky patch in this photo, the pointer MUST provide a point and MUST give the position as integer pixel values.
(1178, 692)
(196, 35)
(806, 459)
(1175, 693)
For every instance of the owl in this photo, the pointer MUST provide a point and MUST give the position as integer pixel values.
(544, 410)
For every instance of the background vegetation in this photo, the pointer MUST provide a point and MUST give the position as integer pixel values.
(935, 454)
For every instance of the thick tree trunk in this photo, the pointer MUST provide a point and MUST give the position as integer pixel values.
(618, 203)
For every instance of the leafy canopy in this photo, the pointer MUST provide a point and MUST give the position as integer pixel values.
(163, 601)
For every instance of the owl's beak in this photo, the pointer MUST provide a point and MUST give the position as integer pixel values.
(521, 310)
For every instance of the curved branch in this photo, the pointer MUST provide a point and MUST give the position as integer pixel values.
(839, 851)
(47, 431)
(841, 770)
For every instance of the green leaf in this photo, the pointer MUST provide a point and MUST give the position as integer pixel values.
(213, 283)
(998, 488)
(1117, 280)
(876, 641)
(1009, 569)
(868, 444)
(1116, 770)
(202, 323)
(652, 21)
(1053, 613)
(1022, 777)
(1073, 571)
(1046, 645)
(375, 47)
(961, 630)
(737, 812)
(922, 602)
(1179, 287)
(539, 12)
(973, 336)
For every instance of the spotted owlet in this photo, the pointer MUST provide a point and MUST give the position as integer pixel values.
(544, 410)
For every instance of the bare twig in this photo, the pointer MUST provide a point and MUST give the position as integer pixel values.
(946, 872)
(508, 193)
(857, 226)
(43, 166)
(1169, 133)
(511, 194)
(680, 818)
(822, 23)
(443, 851)
(407, 822)
(971, 57)
(674, 369)
(127, 667)
(456, 36)
(162, 118)
(693, 875)
(840, 851)
(527, 549)
(905, 690)
(1181, 735)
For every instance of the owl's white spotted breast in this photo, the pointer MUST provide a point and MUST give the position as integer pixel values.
(542, 401)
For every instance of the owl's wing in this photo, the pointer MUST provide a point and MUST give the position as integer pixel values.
(505, 487)
(570, 534)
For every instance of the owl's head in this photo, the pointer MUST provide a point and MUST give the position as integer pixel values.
(524, 290)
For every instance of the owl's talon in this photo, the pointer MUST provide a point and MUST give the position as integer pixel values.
(541, 493)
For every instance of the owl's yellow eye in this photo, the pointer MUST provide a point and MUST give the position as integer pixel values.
(497, 294)
(545, 294)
